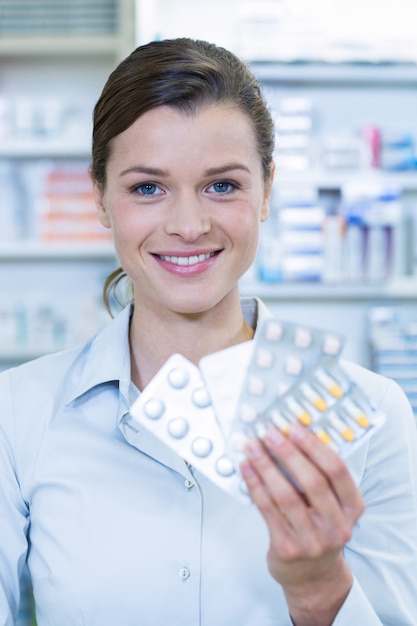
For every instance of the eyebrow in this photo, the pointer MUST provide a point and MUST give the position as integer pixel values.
(215, 171)
(155, 171)
(142, 169)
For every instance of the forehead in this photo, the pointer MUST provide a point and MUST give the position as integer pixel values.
(226, 127)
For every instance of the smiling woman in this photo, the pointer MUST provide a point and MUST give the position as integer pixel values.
(116, 528)
(184, 196)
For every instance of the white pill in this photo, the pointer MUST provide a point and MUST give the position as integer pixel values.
(202, 446)
(256, 386)
(178, 427)
(273, 330)
(201, 398)
(264, 358)
(178, 377)
(332, 345)
(154, 409)
(303, 338)
(293, 366)
(224, 466)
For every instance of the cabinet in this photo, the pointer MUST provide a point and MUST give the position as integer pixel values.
(53, 254)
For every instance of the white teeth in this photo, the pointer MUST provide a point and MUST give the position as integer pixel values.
(187, 260)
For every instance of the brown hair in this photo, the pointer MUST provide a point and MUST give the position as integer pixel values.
(182, 73)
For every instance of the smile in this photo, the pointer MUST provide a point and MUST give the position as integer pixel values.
(186, 260)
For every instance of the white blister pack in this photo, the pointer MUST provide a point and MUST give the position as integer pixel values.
(176, 407)
(295, 377)
(224, 373)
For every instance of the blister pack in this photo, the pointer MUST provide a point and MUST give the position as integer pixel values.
(176, 406)
(288, 374)
(295, 376)
(224, 373)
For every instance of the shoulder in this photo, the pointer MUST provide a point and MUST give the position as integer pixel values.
(49, 371)
(394, 442)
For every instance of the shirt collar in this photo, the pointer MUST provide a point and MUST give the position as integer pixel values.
(107, 357)
(107, 354)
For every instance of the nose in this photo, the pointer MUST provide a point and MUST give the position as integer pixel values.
(187, 218)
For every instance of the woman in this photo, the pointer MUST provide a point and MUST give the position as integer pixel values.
(116, 528)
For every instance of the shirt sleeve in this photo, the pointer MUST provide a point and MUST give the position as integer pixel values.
(383, 550)
(357, 606)
(13, 512)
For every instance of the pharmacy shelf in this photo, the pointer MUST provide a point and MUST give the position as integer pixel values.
(367, 74)
(47, 46)
(42, 148)
(337, 178)
(36, 251)
(399, 289)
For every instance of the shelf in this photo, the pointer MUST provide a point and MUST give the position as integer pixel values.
(399, 289)
(34, 251)
(337, 178)
(65, 45)
(368, 74)
(42, 148)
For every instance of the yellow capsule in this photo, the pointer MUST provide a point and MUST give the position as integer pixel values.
(279, 421)
(342, 428)
(311, 394)
(324, 436)
(362, 420)
(356, 413)
(329, 383)
(299, 411)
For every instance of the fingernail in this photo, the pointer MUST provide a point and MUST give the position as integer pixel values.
(247, 470)
(275, 436)
(297, 432)
(254, 448)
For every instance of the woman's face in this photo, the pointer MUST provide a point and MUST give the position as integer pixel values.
(184, 197)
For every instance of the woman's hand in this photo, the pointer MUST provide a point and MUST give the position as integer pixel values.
(309, 523)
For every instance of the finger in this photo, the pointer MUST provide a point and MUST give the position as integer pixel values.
(329, 514)
(262, 498)
(332, 466)
(332, 516)
(285, 547)
(314, 485)
(274, 493)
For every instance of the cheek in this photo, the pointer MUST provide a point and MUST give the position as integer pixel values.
(131, 227)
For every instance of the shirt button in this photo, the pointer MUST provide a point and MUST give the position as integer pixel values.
(184, 573)
(189, 484)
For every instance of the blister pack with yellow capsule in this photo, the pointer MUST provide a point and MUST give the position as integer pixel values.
(295, 376)
(288, 374)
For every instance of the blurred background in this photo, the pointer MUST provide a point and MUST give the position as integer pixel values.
(340, 248)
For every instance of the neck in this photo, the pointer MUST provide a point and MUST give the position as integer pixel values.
(153, 338)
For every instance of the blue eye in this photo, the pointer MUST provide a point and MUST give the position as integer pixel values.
(148, 189)
(221, 186)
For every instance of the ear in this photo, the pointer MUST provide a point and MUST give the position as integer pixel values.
(103, 213)
(268, 192)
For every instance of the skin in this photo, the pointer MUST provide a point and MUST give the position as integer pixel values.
(192, 185)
